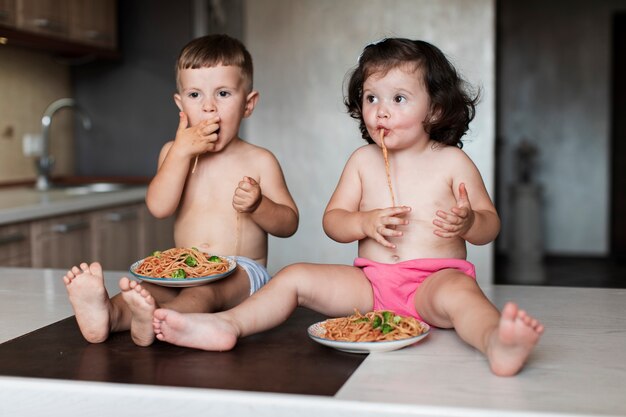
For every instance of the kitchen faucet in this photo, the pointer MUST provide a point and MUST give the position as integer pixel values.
(45, 162)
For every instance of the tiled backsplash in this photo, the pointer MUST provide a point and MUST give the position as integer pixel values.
(29, 82)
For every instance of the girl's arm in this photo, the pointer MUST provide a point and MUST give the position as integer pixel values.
(474, 218)
(343, 219)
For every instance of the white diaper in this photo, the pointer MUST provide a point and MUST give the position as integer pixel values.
(257, 273)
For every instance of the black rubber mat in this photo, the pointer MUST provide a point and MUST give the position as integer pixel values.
(282, 360)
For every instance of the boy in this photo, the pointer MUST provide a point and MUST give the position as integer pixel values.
(227, 195)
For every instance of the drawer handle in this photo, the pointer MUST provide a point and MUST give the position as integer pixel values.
(69, 227)
(47, 24)
(117, 216)
(12, 238)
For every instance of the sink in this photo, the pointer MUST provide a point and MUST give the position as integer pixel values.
(92, 188)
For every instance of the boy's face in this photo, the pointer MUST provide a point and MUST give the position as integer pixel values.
(216, 93)
(397, 102)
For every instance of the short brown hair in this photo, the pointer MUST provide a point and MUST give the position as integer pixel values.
(213, 50)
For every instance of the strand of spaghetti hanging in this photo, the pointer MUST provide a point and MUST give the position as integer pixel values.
(387, 170)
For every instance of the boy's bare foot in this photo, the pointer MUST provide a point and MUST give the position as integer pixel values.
(513, 340)
(90, 301)
(200, 331)
(141, 305)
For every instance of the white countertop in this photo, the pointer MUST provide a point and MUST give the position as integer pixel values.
(578, 369)
(25, 203)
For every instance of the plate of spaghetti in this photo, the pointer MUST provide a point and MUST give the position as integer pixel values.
(376, 331)
(182, 267)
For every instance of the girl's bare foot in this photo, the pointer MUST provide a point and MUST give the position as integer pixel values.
(200, 331)
(141, 305)
(90, 301)
(513, 340)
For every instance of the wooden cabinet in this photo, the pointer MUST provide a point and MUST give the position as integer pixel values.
(15, 245)
(7, 12)
(47, 17)
(72, 28)
(156, 234)
(115, 236)
(94, 22)
(61, 242)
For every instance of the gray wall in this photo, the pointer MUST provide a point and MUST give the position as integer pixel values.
(302, 51)
(554, 90)
(131, 100)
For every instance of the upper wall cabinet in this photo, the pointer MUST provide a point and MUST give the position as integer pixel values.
(7, 12)
(74, 28)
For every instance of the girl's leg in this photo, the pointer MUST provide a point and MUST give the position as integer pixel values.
(333, 290)
(450, 298)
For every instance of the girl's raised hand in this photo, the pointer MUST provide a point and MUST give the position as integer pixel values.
(458, 221)
(380, 224)
(247, 195)
(197, 139)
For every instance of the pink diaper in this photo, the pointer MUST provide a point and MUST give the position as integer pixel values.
(395, 285)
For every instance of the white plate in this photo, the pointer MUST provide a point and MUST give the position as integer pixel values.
(185, 282)
(316, 332)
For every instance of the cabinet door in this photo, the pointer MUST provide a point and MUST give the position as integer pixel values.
(49, 17)
(94, 22)
(15, 245)
(156, 234)
(7, 12)
(61, 242)
(115, 236)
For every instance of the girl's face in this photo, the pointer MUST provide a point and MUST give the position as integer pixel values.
(216, 92)
(398, 103)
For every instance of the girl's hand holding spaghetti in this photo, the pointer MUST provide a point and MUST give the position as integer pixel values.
(379, 224)
(247, 196)
(459, 220)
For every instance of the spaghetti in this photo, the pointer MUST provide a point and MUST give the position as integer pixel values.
(375, 326)
(181, 263)
(387, 169)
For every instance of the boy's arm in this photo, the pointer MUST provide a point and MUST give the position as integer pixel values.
(166, 188)
(274, 210)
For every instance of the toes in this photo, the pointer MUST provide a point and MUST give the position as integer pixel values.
(124, 284)
(95, 268)
(76, 271)
(84, 267)
(160, 314)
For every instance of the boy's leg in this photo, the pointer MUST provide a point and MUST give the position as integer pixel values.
(96, 314)
(334, 290)
(216, 296)
(450, 298)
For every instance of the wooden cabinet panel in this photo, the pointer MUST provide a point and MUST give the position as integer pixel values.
(7, 12)
(115, 236)
(49, 17)
(15, 245)
(94, 22)
(156, 234)
(61, 242)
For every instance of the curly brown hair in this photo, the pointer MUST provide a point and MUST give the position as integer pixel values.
(452, 103)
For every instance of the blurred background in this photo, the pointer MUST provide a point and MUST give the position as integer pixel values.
(546, 137)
